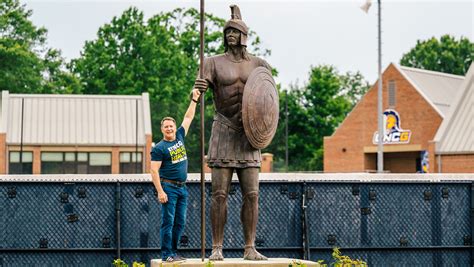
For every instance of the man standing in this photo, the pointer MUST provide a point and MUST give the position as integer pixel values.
(229, 147)
(169, 167)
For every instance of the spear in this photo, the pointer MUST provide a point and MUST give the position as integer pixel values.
(203, 196)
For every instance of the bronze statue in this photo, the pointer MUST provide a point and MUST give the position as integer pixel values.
(229, 147)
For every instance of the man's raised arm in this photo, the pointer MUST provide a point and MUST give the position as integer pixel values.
(188, 117)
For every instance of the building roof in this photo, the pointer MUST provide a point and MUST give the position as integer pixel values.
(456, 133)
(75, 119)
(438, 88)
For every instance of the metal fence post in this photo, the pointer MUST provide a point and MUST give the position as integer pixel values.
(472, 223)
(117, 217)
(304, 221)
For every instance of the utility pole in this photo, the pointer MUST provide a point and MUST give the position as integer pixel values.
(286, 130)
(379, 94)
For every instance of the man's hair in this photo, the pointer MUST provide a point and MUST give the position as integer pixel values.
(167, 119)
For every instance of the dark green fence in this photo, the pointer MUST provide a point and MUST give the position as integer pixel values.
(388, 220)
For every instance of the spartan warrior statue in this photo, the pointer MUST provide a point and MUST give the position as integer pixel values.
(246, 105)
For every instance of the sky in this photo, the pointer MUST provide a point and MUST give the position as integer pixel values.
(300, 34)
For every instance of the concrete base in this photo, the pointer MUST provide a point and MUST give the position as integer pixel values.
(273, 262)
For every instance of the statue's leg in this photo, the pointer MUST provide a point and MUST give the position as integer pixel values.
(221, 179)
(248, 178)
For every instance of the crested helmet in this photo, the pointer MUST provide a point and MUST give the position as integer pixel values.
(236, 22)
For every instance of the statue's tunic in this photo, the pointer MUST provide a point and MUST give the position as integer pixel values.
(228, 145)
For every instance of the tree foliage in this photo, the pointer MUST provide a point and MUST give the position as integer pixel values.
(354, 86)
(160, 56)
(27, 65)
(314, 111)
(132, 55)
(446, 55)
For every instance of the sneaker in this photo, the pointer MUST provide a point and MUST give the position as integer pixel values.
(174, 259)
(179, 258)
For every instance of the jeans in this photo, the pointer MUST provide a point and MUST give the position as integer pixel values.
(173, 215)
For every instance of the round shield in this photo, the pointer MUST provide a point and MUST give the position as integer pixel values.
(260, 108)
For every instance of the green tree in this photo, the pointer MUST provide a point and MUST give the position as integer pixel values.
(27, 65)
(446, 55)
(354, 86)
(160, 56)
(314, 111)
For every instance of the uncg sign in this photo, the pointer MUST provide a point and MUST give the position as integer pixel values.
(393, 133)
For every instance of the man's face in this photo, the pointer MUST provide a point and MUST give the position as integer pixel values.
(169, 130)
(232, 36)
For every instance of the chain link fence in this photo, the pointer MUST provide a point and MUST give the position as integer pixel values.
(76, 222)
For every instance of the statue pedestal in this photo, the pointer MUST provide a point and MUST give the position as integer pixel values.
(273, 262)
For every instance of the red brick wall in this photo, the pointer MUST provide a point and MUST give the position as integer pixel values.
(432, 157)
(147, 158)
(3, 154)
(404, 162)
(457, 163)
(343, 151)
(115, 160)
(267, 162)
(36, 160)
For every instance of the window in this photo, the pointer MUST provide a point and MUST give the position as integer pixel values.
(52, 162)
(82, 162)
(69, 163)
(131, 162)
(21, 165)
(100, 163)
(391, 94)
(76, 162)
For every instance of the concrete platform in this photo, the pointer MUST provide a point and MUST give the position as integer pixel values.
(273, 262)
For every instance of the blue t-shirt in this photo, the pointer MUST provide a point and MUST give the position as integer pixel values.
(172, 154)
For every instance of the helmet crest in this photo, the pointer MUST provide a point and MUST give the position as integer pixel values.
(236, 22)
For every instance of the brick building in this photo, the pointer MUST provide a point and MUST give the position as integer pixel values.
(428, 118)
(58, 134)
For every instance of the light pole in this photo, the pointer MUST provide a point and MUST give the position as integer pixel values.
(286, 130)
(379, 93)
(380, 127)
